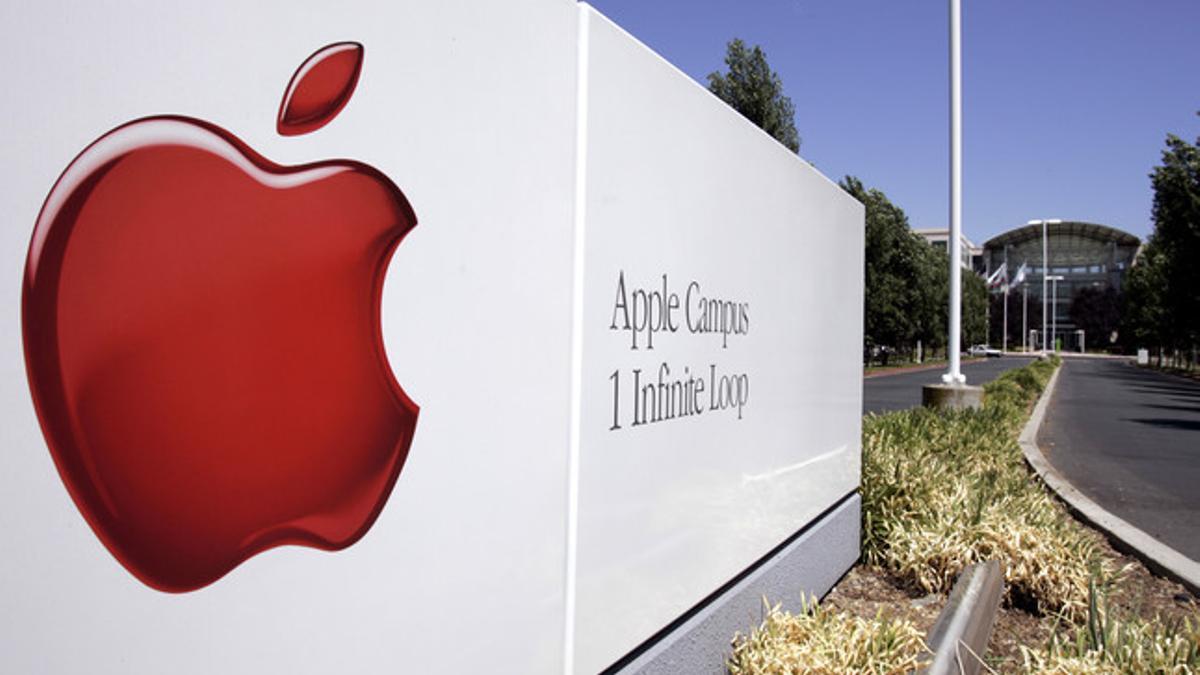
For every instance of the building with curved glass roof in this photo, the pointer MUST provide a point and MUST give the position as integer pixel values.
(1085, 255)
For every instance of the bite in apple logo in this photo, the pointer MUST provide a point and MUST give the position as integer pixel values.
(202, 338)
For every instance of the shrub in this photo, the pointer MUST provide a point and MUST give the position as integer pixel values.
(944, 489)
(1107, 643)
(819, 640)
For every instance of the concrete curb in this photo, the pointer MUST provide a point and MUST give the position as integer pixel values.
(1159, 557)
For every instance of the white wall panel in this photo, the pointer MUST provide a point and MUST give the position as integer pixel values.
(509, 544)
(466, 562)
(678, 184)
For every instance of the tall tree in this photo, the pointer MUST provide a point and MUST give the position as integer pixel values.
(1162, 292)
(1177, 235)
(930, 284)
(907, 282)
(905, 278)
(1143, 314)
(974, 308)
(756, 91)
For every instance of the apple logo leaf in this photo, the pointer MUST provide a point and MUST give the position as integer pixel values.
(320, 88)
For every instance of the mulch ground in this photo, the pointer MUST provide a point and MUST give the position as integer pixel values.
(868, 592)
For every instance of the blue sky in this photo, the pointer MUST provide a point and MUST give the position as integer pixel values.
(1066, 103)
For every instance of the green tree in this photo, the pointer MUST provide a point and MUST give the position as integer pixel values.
(907, 283)
(901, 275)
(1144, 316)
(1144, 312)
(931, 289)
(974, 308)
(1162, 291)
(754, 90)
(1177, 235)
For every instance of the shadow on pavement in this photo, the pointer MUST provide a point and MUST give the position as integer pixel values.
(1184, 408)
(1187, 425)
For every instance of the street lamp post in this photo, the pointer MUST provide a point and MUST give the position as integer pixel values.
(1053, 311)
(1025, 315)
(1004, 347)
(1045, 269)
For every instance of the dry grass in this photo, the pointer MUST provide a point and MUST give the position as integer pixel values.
(1110, 643)
(823, 641)
(944, 490)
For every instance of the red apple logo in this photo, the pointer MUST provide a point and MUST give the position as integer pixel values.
(202, 339)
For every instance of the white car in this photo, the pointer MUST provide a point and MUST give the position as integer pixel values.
(983, 350)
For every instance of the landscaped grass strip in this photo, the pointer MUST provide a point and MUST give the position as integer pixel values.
(823, 641)
(1106, 643)
(944, 489)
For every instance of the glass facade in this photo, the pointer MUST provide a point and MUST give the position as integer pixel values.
(1085, 255)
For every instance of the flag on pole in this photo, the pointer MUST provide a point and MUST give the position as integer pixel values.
(1019, 277)
(999, 277)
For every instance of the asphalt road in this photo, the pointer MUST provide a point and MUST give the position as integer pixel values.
(1129, 439)
(901, 391)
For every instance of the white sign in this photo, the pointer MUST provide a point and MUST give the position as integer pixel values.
(722, 313)
(441, 337)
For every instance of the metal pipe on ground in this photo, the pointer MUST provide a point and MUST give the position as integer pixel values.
(959, 638)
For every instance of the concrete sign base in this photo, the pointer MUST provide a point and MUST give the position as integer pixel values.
(952, 396)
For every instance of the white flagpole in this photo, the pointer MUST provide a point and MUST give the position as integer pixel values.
(1045, 287)
(1025, 316)
(1004, 333)
(954, 343)
(1005, 348)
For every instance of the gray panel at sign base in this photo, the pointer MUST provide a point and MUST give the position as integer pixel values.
(809, 566)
